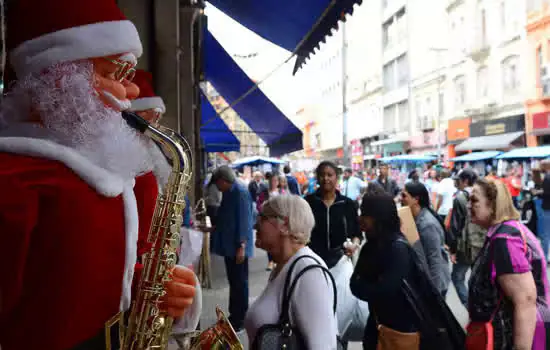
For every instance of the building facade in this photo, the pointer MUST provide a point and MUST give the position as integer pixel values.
(323, 76)
(537, 104)
(485, 65)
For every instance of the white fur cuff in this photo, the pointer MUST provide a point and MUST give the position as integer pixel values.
(87, 41)
(145, 103)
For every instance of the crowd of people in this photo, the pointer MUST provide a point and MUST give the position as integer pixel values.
(465, 222)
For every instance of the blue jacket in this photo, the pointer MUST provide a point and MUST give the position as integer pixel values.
(235, 222)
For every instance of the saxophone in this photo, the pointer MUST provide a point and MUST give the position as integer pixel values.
(148, 327)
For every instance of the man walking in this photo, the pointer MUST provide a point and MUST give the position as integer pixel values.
(293, 186)
(232, 238)
(352, 187)
(468, 238)
(388, 184)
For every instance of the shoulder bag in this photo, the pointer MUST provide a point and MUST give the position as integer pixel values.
(284, 335)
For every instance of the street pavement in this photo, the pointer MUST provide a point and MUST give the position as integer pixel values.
(258, 277)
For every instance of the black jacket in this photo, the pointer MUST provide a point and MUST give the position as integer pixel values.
(333, 226)
(379, 278)
(256, 189)
(467, 237)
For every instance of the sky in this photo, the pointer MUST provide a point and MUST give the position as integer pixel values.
(239, 41)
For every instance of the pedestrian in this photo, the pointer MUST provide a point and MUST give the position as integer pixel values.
(388, 184)
(292, 182)
(405, 308)
(468, 238)
(508, 284)
(232, 238)
(283, 230)
(431, 232)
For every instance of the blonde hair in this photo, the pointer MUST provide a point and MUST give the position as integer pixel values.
(296, 210)
(500, 200)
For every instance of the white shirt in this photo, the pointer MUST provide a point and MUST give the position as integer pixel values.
(446, 189)
(310, 307)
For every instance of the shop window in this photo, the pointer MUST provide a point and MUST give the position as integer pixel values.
(510, 77)
(482, 82)
(460, 91)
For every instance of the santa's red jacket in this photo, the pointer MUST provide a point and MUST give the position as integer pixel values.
(68, 243)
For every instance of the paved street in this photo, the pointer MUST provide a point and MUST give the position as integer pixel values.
(219, 294)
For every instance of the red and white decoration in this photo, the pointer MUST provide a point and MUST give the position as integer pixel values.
(147, 98)
(43, 33)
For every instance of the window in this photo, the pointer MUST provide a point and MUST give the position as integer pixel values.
(389, 118)
(396, 73)
(428, 111)
(482, 82)
(403, 115)
(510, 79)
(402, 70)
(389, 76)
(460, 91)
(394, 30)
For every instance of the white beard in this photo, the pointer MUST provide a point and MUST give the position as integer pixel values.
(72, 114)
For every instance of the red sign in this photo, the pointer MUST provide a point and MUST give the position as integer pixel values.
(541, 120)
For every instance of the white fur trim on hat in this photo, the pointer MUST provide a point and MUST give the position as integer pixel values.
(145, 103)
(87, 41)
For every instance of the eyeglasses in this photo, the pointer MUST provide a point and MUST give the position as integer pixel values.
(125, 70)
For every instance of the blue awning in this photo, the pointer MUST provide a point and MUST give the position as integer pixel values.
(526, 153)
(215, 135)
(255, 109)
(255, 161)
(476, 156)
(298, 26)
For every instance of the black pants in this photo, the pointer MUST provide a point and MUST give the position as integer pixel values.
(212, 211)
(237, 276)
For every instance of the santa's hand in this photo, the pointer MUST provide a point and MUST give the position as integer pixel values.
(180, 291)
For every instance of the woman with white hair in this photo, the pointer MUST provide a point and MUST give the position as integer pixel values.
(283, 230)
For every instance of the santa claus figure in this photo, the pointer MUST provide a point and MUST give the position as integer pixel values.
(77, 188)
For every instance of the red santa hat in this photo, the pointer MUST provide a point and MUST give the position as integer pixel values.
(42, 33)
(147, 98)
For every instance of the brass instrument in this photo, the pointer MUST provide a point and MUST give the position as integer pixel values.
(148, 327)
(220, 336)
(203, 270)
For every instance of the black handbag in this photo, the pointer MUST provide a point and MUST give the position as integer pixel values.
(283, 335)
(438, 326)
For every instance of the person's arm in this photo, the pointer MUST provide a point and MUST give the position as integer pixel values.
(354, 231)
(521, 290)
(311, 310)
(244, 219)
(396, 267)
(514, 276)
(430, 237)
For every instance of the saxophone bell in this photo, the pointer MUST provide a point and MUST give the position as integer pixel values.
(220, 336)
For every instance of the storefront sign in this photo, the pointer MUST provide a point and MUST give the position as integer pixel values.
(458, 129)
(498, 126)
(356, 154)
(494, 129)
(541, 121)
